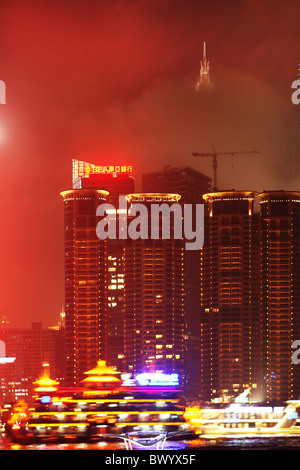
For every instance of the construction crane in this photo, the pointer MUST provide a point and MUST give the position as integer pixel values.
(214, 155)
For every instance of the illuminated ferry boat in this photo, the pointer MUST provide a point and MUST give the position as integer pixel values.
(243, 418)
(103, 407)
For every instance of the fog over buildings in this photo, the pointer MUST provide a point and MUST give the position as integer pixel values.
(115, 83)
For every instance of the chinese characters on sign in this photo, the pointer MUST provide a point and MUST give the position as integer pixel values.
(84, 170)
(108, 169)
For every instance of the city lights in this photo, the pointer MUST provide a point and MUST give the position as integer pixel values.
(150, 294)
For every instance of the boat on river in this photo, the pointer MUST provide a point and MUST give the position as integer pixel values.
(249, 419)
(150, 407)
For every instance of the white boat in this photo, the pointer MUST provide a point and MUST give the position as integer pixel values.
(239, 419)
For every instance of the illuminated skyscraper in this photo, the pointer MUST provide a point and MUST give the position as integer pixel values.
(280, 293)
(154, 298)
(118, 181)
(93, 270)
(85, 282)
(230, 310)
(191, 185)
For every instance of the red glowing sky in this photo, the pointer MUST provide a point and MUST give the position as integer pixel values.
(112, 81)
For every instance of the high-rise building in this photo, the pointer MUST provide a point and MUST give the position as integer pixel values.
(30, 347)
(93, 270)
(154, 297)
(85, 282)
(230, 310)
(116, 179)
(191, 185)
(280, 293)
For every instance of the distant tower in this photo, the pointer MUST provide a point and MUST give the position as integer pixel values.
(204, 79)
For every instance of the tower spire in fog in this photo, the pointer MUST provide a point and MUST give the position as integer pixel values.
(204, 79)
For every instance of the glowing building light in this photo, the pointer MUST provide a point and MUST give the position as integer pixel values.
(84, 169)
(46, 399)
(157, 379)
(45, 383)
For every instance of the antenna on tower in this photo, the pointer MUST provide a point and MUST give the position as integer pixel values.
(204, 79)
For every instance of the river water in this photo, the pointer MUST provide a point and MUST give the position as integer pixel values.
(240, 443)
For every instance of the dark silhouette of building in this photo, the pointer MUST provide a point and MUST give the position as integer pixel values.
(186, 181)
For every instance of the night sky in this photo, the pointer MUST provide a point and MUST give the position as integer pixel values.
(113, 82)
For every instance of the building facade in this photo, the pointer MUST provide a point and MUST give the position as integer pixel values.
(230, 310)
(154, 298)
(31, 347)
(224, 317)
(93, 270)
(191, 185)
(280, 293)
(85, 282)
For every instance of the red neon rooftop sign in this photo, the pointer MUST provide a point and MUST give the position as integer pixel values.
(84, 169)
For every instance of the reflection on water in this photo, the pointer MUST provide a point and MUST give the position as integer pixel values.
(251, 443)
